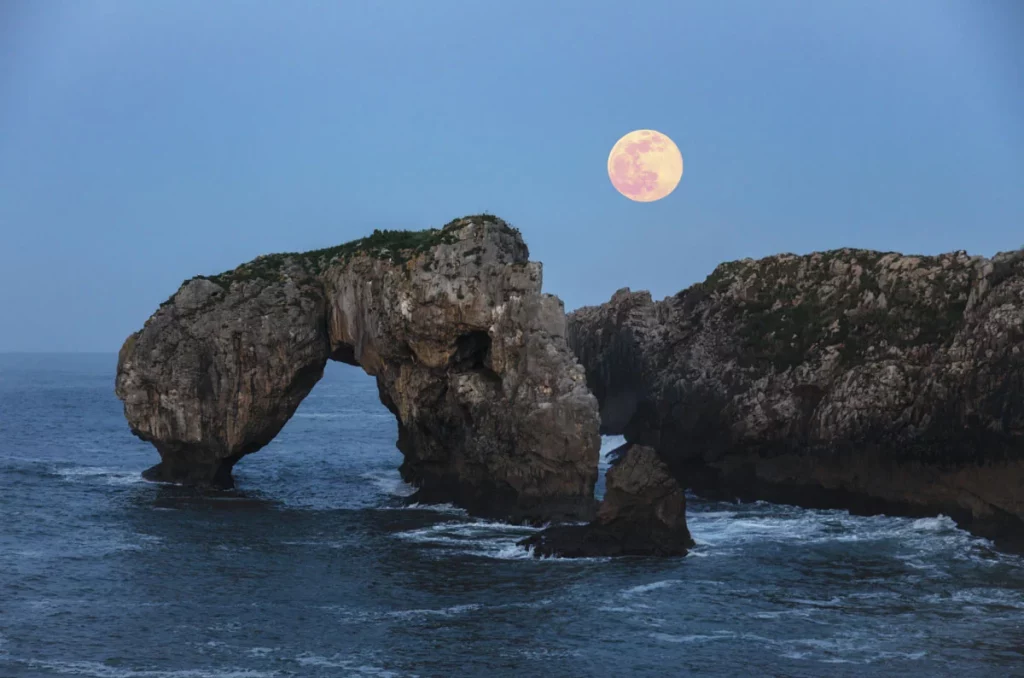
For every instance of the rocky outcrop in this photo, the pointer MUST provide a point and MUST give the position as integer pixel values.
(848, 379)
(643, 514)
(492, 408)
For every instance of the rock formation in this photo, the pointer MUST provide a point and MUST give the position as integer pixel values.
(849, 379)
(493, 411)
(643, 513)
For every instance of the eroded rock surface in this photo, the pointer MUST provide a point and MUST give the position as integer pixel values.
(492, 408)
(643, 513)
(851, 379)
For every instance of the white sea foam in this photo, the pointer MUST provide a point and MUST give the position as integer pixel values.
(695, 638)
(511, 552)
(389, 482)
(436, 508)
(477, 538)
(991, 599)
(831, 602)
(542, 654)
(846, 648)
(442, 612)
(261, 651)
(937, 524)
(85, 545)
(99, 473)
(608, 444)
(351, 666)
(647, 588)
(481, 538)
(362, 616)
(727, 528)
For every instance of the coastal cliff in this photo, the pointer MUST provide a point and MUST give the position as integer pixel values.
(854, 379)
(493, 411)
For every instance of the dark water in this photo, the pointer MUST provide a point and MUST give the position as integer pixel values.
(314, 568)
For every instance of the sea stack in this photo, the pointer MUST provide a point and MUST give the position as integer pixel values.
(643, 514)
(471, 357)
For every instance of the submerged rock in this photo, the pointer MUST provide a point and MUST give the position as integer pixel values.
(851, 379)
(643, 513)
(493, 410)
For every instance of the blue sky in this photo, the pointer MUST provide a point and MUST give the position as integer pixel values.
(142, 143)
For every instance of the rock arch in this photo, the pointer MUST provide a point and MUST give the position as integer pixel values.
(492, 407)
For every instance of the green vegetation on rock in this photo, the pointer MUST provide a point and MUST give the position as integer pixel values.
(787, 306)
(398, 246)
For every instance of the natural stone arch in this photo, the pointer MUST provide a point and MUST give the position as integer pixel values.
(493, 411)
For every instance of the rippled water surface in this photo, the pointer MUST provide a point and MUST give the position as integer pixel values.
(316, 567)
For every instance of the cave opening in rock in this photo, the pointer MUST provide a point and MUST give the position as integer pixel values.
(472, 352)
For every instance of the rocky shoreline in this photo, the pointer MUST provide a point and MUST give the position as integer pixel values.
(868, 381)
(643, 513)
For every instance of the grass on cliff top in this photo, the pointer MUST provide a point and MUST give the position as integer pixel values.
(785, 315)
(398, 246)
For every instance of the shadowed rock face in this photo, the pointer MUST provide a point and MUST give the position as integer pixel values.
(848, 379)
(493, 412)
(643, 514)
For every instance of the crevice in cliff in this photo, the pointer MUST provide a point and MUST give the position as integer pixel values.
(472, 351)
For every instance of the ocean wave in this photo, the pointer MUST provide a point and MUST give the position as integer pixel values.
(543, 654)
(351, 666)
(695, 638)
(849, 649)
(756, 523)
(991, 598)
(608, 445)
(647, 588)
(91, 546)
(104, 671)
(474, 536)
(362, 616)
(435, 508)
(938, 524)
(91, 473)
(261, 651)
(442, 612)
(482, 539)
(389, 482)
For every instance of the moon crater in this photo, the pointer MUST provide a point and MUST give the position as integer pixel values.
(645, 165)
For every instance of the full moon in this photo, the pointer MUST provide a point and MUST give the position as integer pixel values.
(645, 165)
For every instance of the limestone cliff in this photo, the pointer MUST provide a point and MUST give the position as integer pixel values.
(492, 408)
(852, 379)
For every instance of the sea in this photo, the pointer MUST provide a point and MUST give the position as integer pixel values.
(318, 565)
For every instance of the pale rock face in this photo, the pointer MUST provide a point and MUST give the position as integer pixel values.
(853, 379)
(493, 410)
